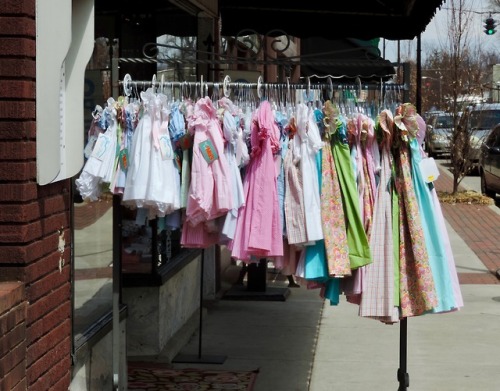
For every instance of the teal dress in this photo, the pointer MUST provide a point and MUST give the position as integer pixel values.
(315, 267)
(436, 248)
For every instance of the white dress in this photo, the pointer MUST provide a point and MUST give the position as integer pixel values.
(136, 185)
(163, 188)
(307, 146)
(230, 135)
(99, 169)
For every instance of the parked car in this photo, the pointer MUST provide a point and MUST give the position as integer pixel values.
(489, 163)
(438, 136)
(479, 120)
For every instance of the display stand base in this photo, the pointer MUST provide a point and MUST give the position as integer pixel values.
(197, 359)
(240, 292)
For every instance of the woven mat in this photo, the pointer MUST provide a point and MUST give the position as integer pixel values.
(154, 376)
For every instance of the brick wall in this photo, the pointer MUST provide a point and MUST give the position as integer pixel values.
(32, 217)
(12, 336)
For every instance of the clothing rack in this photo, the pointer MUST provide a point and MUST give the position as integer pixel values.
(261, 87)
(263, 90)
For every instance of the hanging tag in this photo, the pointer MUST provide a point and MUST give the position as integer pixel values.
(166, 148)
(208, 151)
(124, 159)
(429, 169)
(102, 144)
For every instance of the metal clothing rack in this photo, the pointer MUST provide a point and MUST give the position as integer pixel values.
(260, 86)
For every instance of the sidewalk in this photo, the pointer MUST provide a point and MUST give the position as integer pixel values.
(304, 344)
(445, 352)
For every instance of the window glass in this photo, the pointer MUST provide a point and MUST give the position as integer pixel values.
(444, 121)
(93, 259)
(147, 244)
(92, 221)
(484, 119)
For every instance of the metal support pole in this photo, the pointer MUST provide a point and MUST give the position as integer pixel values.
(117, 245)
(403, 377)
(199, 358)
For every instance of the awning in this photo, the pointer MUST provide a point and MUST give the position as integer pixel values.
(343, 57)
(363, 19)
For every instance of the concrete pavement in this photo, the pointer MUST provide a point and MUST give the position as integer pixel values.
(305, 344)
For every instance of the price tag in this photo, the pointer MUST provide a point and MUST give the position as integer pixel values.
(208, 151)
(429, 169)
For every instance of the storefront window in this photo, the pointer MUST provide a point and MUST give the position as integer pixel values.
(93, 261)
(148, 247)
(93, 220)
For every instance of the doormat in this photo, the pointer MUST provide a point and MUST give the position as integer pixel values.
(155, 376)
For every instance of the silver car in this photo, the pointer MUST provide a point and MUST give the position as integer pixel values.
(480, 120)
(438, 135)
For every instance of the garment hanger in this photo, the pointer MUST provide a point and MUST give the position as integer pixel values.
(153, 83)
(127, 85)
(225, 86)
(259, 88)
(215, 95)
(162, 84)
(330, 88)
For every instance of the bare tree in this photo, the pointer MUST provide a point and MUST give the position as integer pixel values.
(458, 67)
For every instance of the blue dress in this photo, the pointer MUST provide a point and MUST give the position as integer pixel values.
(436, 248)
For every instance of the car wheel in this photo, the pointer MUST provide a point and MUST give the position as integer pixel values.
(484, 187)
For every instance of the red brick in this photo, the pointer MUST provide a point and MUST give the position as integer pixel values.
(24, 47)
(49, 282)
(20, 150)
(15, 213)
(18, 192)
(48, 303)
(11, 295)
(17, 25)
(34, 270)
(55, 204)
(17, 109)
(21, 386)
(15, 130)
(20, 89)
(49, 322)
(26, 254)
(58, 375)
(14, 379)
(55, 222)
(52, 189)
(20, 233)
(16, 7)
(64, 382)
(13, 356)
(8, 341)
(17, 171)
(48, 342)
(12, 318)
(13, 272)
(19, 68)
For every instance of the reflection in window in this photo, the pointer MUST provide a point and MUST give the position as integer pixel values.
(484, 119)
(92, 221)
(177, 57)
(93, 244)
(148, 244)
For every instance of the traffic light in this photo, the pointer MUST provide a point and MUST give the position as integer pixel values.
(489, 26)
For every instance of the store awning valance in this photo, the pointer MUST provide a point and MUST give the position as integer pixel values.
(362, 19)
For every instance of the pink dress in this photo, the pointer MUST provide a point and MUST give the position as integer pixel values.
(258, 229)
(209, 195)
